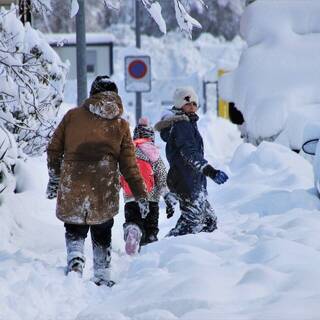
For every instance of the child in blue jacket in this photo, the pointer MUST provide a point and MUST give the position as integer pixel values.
(188, 167)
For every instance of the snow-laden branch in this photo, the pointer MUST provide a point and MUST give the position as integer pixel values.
(154, 9)
(41, 6)
(113, 4)
(185, 21)
(203, 3)
(110, 4)
(74, 8)
(32, 78)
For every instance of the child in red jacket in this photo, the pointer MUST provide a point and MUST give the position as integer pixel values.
(139, 230)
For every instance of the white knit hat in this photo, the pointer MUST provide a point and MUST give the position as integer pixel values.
(183, 96)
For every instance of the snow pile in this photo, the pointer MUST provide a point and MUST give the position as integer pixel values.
(221, 138)
(186, 63)
(276, 85)
(183, 57)
(261, 263)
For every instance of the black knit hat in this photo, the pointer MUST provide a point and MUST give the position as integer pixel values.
(143, 130)
(102, 84)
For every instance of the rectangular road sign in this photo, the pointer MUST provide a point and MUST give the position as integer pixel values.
(137, 73)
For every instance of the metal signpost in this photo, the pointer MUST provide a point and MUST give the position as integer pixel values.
(138, 78)
(137, 68)
(81, 53)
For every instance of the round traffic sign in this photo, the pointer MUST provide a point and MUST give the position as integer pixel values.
(137, 69)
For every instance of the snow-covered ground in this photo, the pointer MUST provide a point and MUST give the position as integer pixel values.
(262, 263)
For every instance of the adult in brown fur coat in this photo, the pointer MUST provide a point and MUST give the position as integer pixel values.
(86, 154)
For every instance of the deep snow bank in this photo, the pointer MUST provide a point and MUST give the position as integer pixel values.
(261, 263)
(276, 85)
(175, 61)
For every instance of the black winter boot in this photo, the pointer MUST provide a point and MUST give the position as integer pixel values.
(76, 265)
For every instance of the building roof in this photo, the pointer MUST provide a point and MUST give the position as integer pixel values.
(60, 39)
(7, 2)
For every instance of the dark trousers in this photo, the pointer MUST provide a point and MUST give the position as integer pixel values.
(101, 242)
(197, 215)
(148, 225)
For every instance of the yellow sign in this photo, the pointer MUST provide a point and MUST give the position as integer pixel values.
(223, 106)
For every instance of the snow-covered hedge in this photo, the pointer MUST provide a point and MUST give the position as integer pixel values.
(8, 159)
(32, 79)
(276, 85)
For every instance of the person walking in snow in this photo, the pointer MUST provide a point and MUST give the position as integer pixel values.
(84, 154)
(188, 167)
(140, 230)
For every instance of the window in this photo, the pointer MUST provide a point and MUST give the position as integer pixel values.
(91, 61)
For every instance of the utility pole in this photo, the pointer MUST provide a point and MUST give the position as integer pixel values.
(81, 53)
(138, 45)
(25, 11)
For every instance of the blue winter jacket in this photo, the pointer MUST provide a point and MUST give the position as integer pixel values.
(185, 154)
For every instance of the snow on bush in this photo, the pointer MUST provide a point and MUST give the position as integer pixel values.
(32, 79)
(276, 85)
(8, 158)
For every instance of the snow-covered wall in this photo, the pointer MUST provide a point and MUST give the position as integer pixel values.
(276, 85)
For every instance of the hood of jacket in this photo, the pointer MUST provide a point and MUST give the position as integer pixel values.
(107, 105)
(147, 147)
(169, 117)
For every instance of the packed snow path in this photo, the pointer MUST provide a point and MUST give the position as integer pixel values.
(262, 263)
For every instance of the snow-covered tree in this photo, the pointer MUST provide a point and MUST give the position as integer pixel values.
(219, 17)
(32, 78)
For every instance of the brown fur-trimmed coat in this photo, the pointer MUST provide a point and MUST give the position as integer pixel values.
(88, 149)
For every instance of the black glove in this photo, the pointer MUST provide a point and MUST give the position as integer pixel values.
(217, 176)
(52, 187)
(144, 207)
(170, 201)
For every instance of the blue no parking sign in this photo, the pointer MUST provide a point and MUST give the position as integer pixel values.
(137, 69)
(138, 73)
